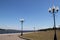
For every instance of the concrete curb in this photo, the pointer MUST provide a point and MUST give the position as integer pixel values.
(24, 38)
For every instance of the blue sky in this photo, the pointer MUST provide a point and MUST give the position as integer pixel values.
(34, 12)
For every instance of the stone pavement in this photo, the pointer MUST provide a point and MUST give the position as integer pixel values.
(10, 37)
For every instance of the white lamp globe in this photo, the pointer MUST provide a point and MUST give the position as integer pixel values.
(49, 9)
(53, 7)
(22, 20)
(57, 8)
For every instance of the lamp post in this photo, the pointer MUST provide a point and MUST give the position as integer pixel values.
(34, 29)
(21, 20)
(54, 10)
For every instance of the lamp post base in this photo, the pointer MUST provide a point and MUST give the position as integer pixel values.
(55, 36)
(21, 34)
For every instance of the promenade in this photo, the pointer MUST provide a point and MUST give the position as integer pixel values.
(13, 36)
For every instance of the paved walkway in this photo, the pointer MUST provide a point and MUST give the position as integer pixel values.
(10, 37)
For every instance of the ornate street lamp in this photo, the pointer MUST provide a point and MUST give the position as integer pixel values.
(21, 20)
(54, 10)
